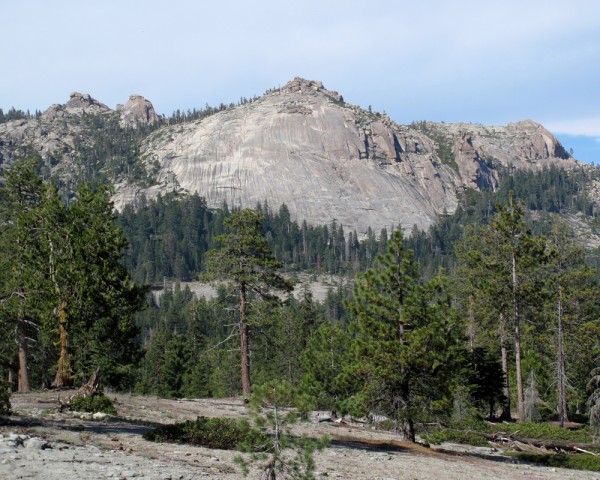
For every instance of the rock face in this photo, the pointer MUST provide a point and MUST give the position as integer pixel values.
(137, 111)
(477, 151)
(62, 130)
(303, 146)
(83, 102)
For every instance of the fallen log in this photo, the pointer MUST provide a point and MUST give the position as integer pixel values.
(92, 386)
(87, 390)
(548, 444)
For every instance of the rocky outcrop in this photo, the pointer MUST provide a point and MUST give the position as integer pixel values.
(137, 111)
(476, 151)
(60, 132)
(303, 146)
(83, 102)
(56, 135)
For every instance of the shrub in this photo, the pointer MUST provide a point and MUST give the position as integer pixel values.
(543, 431)
(455, 436)
(574, 461)
(219, 432)
(93, 404)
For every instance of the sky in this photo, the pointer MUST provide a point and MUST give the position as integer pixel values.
(490, 62)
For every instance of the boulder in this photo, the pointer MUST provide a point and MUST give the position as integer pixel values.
(83, 102)
(137, 111)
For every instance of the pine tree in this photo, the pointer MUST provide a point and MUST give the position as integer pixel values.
(502, 264)
(68, 273)
(20, 217)
(483, 301)
(519, 254)
(324, 362)
(275, 406)
(246, 261)
(94, 298)
(406, 338)
(571, 294)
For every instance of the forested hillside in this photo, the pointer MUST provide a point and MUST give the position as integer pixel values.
(291, 337)
(169, 236)
(499, 300)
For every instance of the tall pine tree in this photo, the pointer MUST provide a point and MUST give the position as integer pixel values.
(246, 261)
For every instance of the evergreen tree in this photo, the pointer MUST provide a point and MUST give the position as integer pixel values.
(325, 361)
(502, 263)
(483, 302)
(275, 406)
(571, 294)
(93, 295)
(68, 274)
(407, 334)
(246, 261)
(519, 254)
(19, 234)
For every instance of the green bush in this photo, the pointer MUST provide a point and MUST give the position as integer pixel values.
(473, 422)
(464, 432)
(93, 404)
(219, 432)
(455, 436)
(574, 461)
(543, 431)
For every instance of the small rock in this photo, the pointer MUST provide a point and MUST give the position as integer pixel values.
(129, 474)
(36, 444)
(18, 439)
(99, 416)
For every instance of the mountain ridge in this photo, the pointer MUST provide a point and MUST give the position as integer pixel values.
(301, 145)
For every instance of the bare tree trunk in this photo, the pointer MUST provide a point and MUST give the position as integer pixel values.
(245, 349)
(562, 374)
(23, 384)
(408, 424)
(519, 371)
(411, 430)
(506, 413)
(471, 325)
(63, 368)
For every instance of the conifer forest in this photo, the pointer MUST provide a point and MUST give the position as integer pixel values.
(493, 312)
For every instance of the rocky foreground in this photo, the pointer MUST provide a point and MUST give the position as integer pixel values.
(39, 442)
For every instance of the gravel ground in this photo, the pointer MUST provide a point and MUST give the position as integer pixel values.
(38, 442)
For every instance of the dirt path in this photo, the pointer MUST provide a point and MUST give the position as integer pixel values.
(114, 448)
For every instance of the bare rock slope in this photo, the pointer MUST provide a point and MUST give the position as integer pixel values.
(302, 145)
(38, 442)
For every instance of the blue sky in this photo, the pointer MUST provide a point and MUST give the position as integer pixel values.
(471, 61)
